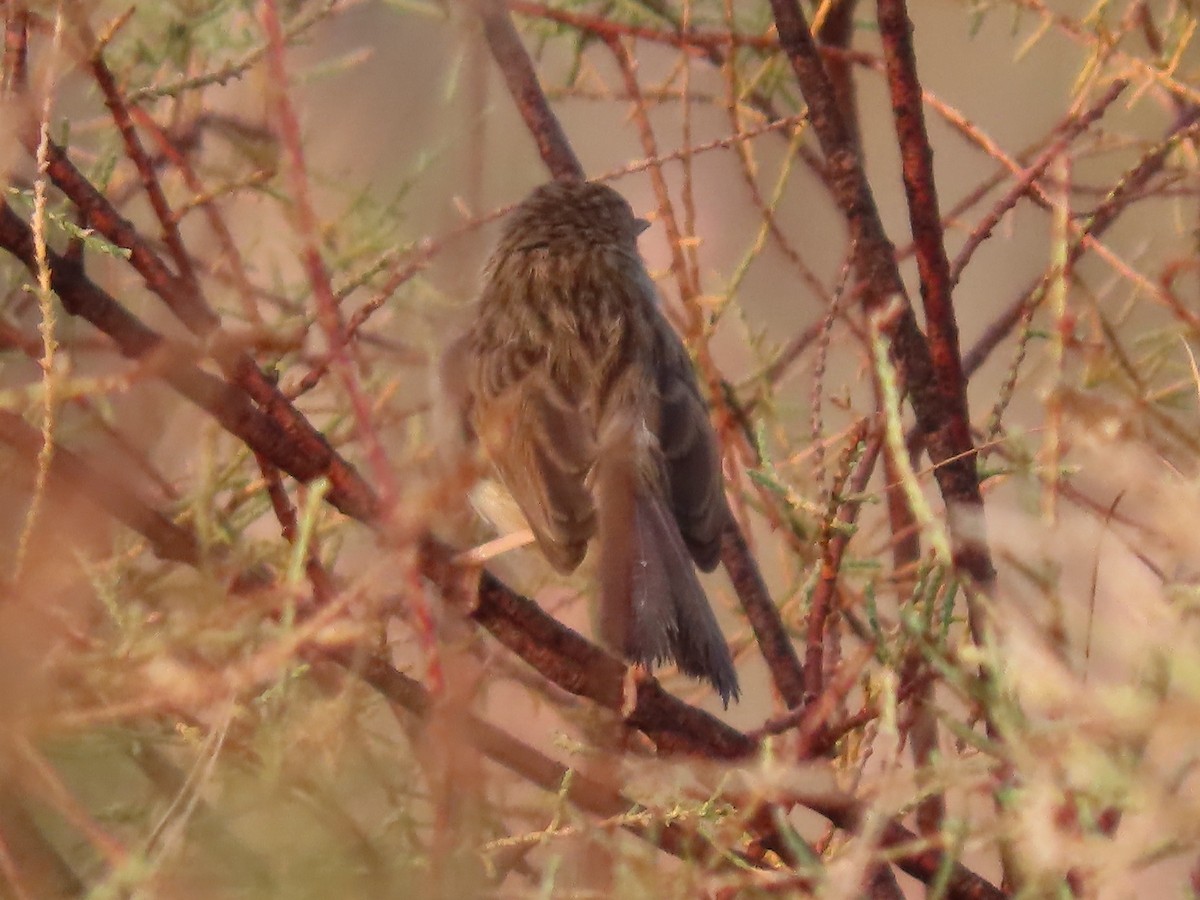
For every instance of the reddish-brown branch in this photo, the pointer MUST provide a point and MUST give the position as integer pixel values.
(817, 717)
(796, 347)
(763, 615)
(941, 327)
(230, 255)
(1100, 220)
(955, 447)
(548, 774)
(875, 254)
(140, 159)
(399, 276)
(876, 266)
(1127, 188)
(747, 170)
(189, 306)
(696, 39)
(293, 449)
(684, 277)
(933, 266)
(72, 476)
(181, 297)
(674, 725)
(835, 34)
(840, 809)
(939, 420)
(522, 81)
(285, 513)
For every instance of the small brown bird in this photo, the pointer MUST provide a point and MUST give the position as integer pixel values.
(585, 400)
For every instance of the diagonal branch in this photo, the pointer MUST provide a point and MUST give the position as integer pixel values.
(520, 623)
(73, 475)
(522, 81)
(940, 419)
(920, 188)
(184, 299)
(291, 448)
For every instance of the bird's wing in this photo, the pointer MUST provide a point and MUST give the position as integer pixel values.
(451, 395)
(689, 448)
(543, 447)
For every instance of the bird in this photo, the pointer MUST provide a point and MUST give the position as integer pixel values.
(585, 402)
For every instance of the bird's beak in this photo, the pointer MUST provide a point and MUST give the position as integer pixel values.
(642, 224)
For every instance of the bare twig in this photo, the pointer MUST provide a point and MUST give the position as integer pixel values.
(522, 81)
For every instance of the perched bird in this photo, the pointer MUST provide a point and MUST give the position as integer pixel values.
(586, 403)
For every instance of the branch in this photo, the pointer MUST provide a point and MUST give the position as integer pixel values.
(350, 492)
(306, 227)
(763, 615)
(1074, 127)
(836, 534)
(299, 449)
(941, 421)
(72, 475)
(920, 189)
(554, 650)
(522, 81)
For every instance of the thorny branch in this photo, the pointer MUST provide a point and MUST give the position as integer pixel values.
(939, 414)
(553, 649)
(250, 406)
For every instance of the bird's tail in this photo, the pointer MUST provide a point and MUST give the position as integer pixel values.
(652, 607)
